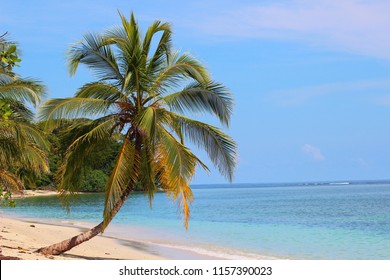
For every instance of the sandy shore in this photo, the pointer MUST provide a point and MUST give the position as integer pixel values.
(21, 238)
(29, 193)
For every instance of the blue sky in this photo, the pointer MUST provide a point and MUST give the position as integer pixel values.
(311, 79)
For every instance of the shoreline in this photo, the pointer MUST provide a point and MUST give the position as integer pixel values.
(20, 239)
(138, 250)
(31, 193)
(154, 249)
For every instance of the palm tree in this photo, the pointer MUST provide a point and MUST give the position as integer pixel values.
(22, 144)
(142, 92)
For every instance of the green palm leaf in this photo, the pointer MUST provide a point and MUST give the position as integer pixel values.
(24, 90)
(207, 97)
(9, 181)
(102, 91)
(54, 111)
(93, 135)
(94, 53)
(124, 173)
(221, 149)
(175, 70)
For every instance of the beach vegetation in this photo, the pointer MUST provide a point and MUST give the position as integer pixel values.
(9, 57)
(6, 199)
(23, 145)
(143, 98)
(97, 167)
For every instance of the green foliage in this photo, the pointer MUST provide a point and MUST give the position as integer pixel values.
(22, 144)
(9, 57)
(96, 169)
(5, 110)
(8, 54)
(6, 199)
(94, 181)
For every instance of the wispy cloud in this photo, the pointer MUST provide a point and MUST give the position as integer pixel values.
(299, 96)
(313, 152)
(383, 100)
(352, 25)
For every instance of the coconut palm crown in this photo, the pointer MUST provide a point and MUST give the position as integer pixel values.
(143, 90)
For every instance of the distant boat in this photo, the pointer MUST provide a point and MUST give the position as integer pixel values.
(341, 183)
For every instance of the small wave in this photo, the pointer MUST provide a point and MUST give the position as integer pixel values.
(214, 252)
(220, 253)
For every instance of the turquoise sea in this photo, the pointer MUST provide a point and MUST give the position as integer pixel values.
(342, 220)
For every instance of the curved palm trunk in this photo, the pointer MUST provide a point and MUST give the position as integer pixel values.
(66, 245)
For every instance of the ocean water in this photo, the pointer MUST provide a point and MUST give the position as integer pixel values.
(245, 221)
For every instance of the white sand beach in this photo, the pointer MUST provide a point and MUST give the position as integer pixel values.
(21, 239)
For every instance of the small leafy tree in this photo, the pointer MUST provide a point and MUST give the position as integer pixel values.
(6, 198)
(8, 54)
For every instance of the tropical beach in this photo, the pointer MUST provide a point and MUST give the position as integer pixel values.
(22, 237)
(239, 131)
(142, 118)
(304, 221)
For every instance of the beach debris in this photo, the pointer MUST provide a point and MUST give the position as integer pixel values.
(2, 257)
(22, 250)
(32, 225)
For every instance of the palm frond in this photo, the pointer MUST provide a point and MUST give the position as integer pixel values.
(10, 181)
(128, 41)
(165, 42)
(20, 112)
(28, 133)
(71, 171)
(147, 122)
(175, 186)
(24, 90)
(147, 174)
(123, 175)
(94, 52)
(102, 91)
(180, 158)
(54, 111)
(221, 149)
(210, 97)
(162, 53)
(35, 160)
(178, 69)
(10, 152)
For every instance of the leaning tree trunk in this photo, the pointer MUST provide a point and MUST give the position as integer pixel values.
(66, 245)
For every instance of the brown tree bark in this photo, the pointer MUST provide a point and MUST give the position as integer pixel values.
(66, 245)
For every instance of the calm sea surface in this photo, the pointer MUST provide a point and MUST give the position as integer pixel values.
(312, 221)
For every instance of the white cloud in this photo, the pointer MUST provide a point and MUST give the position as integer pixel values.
(352, 25)
(313, 152)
